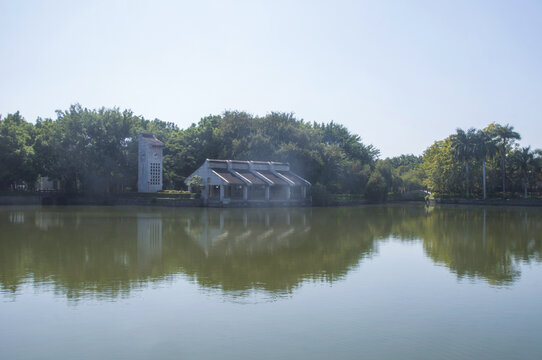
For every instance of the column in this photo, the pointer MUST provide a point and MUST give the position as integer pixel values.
(221, 192)
(245, 192)
(267, 191)
(288, 193)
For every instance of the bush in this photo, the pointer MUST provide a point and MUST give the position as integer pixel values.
(196, 185)
(319, 194)
(377, 189)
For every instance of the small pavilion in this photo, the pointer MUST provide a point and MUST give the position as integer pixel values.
(250, 182)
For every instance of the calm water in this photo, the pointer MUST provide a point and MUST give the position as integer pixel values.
(388, 282)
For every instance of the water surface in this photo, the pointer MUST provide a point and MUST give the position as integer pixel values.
(382, 282)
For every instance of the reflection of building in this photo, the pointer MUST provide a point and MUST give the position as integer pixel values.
(150, 163)
(16, 217)
(232, 181)
(149, 239)
(49, 219)
(226, 231)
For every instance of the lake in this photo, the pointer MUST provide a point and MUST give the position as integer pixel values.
(373, 282)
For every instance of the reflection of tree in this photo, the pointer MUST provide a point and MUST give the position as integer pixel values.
(109, 251)
(273, 249)
(479, 242)
(88, 252)
(462, 248)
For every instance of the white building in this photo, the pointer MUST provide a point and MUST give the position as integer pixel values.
(44, 183)
(149, 177)
(233, 181)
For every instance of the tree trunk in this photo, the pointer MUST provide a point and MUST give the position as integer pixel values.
(503, 174)
(525, 185)
(467, 176)
(484, 177)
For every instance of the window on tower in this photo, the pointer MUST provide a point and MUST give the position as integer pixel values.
(155, 174)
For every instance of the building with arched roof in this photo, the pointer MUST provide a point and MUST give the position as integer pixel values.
(250, 182)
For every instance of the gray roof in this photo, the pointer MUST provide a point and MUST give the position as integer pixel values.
(229, 177)
(243, 162)
(296, 179)
(241, 172)
(272, 177)
(251, 177)
(151, 139)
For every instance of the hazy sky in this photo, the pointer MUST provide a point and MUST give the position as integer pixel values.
(401, 74)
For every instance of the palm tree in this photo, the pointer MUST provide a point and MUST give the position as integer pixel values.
(505, 135)
(463, 146)
(484, 147)
(538, 166)
(524, 160)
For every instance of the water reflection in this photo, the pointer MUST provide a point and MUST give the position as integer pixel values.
(225, 232)
(149, 241)
(272, 249)
(107, 252)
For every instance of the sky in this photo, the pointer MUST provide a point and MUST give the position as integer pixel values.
(401, 74)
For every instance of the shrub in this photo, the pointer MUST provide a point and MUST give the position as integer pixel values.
(377, 188)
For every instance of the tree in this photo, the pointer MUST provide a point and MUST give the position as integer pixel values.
(538, 167)
(196, 185)
(440, 170)
(16, 151)
(463, 147)
(376, 189)
(484, 147)
(505, 136)
(89, 150)
(407, 174)
(525, 162)
(380, 182)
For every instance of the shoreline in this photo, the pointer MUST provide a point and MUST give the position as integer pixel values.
(146, 200)
(490, 202)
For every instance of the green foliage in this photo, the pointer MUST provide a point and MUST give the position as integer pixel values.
(380, 182)
(406, 173)
(88, 150)
(320, 195)
(463, 146)
(504, 137)
(467, 154)
(377, 188)
(524, 168)
(196, 184)
(95, 151)
(323, 153)
(442, 172)
(16, 151)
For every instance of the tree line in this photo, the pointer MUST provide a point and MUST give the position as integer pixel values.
(482, 163)
(95, 151)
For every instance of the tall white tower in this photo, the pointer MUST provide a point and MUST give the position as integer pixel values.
(149, 177)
